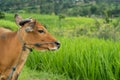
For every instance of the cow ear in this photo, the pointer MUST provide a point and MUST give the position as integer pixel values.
(29, 29)
(18, 19)
(31, 26)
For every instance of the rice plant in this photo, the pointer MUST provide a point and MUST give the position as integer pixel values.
(80, 59)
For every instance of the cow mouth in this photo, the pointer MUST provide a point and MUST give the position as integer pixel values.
(53, 49)
(48, 49)
(41, 47)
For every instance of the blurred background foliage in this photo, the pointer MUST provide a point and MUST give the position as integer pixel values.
(101, 8)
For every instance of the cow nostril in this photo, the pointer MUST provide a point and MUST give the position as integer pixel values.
(58, 44)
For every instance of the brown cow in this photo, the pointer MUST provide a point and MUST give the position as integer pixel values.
(15, 46)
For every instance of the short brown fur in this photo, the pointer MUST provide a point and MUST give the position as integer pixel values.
(11, 45)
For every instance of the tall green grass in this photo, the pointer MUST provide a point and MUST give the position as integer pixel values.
(80, 59)
(8, 24)
(28, 74)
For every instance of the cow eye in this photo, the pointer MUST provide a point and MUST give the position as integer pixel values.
(41, 31)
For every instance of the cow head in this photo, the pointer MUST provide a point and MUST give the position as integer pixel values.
(35, 35)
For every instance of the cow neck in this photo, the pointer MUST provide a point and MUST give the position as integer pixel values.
(19, 57)
(20, 37)
(24, 47)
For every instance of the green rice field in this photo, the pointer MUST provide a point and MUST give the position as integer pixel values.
(79, 58)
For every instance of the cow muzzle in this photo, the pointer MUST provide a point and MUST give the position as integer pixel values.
(56, 44)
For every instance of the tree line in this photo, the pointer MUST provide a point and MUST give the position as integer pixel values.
(107, 8)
